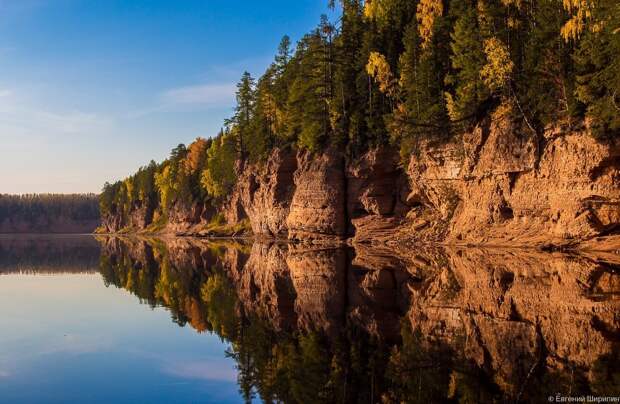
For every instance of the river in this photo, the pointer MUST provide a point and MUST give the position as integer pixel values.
(132, 320)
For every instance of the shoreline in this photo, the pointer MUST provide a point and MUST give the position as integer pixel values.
(349, 242)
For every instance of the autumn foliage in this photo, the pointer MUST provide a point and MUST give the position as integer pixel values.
(401, 71)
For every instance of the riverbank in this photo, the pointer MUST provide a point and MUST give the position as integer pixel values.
(495, 185)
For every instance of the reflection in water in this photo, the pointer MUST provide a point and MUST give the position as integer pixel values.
(44, 254)
(367, 325)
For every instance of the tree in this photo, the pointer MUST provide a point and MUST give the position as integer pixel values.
(268, 117)
(598, 68)
(546, 81)
(427, 12)
(422, 75)
(379, 70)
(497, 71)
(283, 56)
(218, 177)
(467, 60)
(243, 113)
(307, 107)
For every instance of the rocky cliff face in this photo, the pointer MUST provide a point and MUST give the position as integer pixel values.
(318, 204)
(498, 184)
(322, 197)
(264, 194)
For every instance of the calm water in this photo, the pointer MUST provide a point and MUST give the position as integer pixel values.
(188, 321)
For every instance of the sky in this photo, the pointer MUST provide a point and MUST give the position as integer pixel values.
(90, 90)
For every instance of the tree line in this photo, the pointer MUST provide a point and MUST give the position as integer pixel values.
(397, 72)
(39, 208)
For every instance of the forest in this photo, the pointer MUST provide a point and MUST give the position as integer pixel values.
(36, 212)
(396, 72)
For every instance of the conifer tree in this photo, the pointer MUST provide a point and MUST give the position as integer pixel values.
(467, 60)
(307, 107)
(598, 64)
(243, 113)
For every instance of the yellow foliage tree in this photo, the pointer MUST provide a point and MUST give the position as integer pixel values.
(497, 71)
(581, 12)
(219, 173)
(165, 185)
(379, 69)
(376, 10)
(427, 13)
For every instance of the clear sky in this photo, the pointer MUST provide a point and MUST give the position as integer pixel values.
(92, 89)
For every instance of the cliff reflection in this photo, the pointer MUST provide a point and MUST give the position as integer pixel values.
(370, 325)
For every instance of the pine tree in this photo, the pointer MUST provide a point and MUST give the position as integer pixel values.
(267, 117)
(243, 113)
(598, 81)
(307, 106)
(283, 56)
(467, 60)
(347, 101)
(422, 74)
(546, 81)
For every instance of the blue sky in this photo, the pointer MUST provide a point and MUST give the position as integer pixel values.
(92, 89)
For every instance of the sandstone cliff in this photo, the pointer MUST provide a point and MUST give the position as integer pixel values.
(497, 184)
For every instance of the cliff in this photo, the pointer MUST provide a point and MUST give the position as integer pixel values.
(497, 184)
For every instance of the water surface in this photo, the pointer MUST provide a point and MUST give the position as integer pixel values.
(69, 337)
(147, 320)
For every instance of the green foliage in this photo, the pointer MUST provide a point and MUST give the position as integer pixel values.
(422, 111)
(218, 176)
(240, 123)
(467, 60)
(308, 99)
(399, 71)
(548, 77)
(598, 64)
(37, 211)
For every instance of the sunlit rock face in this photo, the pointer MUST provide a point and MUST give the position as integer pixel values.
(265, 193)
(318, 205)
(497, 184)
(510, 325)
(377, 192)
(501, 184)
